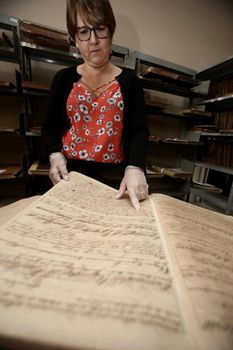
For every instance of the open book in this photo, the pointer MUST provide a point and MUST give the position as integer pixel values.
(82, 270)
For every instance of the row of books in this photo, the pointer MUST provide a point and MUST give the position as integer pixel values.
(224, 118)
(167, 140)
(220, 88)
(220, 153)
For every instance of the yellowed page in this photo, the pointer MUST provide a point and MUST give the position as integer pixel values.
(199, 244)
(82, 270)
(10, 210)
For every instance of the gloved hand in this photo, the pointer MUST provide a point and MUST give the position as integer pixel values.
(58, 170)
(134, 182)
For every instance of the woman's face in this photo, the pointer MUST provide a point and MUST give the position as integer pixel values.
(95, 51)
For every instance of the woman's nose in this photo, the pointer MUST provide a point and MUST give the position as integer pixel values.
(93, 38)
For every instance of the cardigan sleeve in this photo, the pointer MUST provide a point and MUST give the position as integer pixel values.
(56, 121)
(136, 131)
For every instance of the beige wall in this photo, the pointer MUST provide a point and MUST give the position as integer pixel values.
(193, 33)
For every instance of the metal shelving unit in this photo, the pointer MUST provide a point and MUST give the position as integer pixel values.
(9, 24)
(220, 70)
(10, 133)
(222, 201)
(179, 151)
(218, 74)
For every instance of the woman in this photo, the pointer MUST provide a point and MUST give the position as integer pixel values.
(96, 117)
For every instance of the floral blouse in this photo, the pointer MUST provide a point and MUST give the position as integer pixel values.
(96, 124)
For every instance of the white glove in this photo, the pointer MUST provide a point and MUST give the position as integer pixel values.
(134, 182)
(58, 170)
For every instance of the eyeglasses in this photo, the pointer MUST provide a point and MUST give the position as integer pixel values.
(84, 33)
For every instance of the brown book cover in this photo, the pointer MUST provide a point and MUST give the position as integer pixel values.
(180, 141)
(43, 36)
(8, 171)
(36, 130)
(157, 72)
(35, 85)
(6, 84)
(38, 168)
(204, 127)
(156, 104)
(172, 172)
(198, 113)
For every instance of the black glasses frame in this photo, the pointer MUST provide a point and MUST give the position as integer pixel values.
(92, 30)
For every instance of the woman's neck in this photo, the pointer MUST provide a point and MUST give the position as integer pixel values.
(94, 76)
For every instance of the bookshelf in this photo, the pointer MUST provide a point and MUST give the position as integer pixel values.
(12, 176)
(217, 155)
(175, 100)
(220, 200)
(170, 90)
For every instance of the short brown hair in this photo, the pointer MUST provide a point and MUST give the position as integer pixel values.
(96, 13)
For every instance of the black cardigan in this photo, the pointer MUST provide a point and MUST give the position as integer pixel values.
(135, 130)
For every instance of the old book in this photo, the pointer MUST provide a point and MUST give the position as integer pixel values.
(9, 171)
(6, 84)
(35, 34)
(161, 73)
(198, 113)
(172, 172)
(83, 270)
(38, 168)
(35, 85)
(36, 130)
(226, 131)
(156, 104)
(205, 128)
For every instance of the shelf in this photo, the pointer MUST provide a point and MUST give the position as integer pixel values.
(220, 70)
(34, 131)
(145, 59)
(9, 24)
(219, 103)
(163, 86)
(218, 135)
(220, 168)
(221, 201)
(169, 76)
(217, 199)
(9, 171)
(169, 113)
(174, 141)
(9, 131)
(172, 172)
(35, 88)
(8, 54)
(49, 55)
(8, 91)
(150, 109)
(38, 168)
(195, 113)
(32, 134)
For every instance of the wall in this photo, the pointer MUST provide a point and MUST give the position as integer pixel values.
(193, 33)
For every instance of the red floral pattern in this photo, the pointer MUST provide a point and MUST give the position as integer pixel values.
(96, 125)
